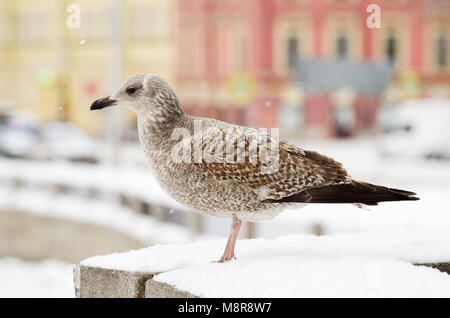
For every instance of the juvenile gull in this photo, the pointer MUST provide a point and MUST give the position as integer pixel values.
(226, 170)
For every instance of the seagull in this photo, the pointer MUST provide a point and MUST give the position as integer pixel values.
(233, 171)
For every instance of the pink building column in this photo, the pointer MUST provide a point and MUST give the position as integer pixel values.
(417, 36)
(262, 110)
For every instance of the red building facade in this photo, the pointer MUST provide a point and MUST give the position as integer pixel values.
(217, 39)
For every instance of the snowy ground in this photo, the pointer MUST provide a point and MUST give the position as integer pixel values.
(46, 279)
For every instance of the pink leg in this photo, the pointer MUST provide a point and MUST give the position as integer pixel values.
(228, 254)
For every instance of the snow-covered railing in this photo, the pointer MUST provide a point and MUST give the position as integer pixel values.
(358, 265)
(56, 210)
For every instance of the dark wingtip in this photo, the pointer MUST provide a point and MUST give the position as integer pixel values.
(403, 192)
(407, 195)
(354, 192)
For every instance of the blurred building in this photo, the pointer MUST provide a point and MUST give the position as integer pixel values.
(236, 59)
(56, 71)
(228, 59)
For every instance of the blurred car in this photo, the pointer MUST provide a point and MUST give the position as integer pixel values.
(417, 128)
(18, 136)
(65, 141)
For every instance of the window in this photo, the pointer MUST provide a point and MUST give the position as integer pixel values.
(391, 48)
(292, 51)
(442, 51)
(341, 47)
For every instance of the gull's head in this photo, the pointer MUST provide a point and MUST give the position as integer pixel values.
(147, 95)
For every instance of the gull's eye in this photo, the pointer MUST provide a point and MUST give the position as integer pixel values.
(131, 90)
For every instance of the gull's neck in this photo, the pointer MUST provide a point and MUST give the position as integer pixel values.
(155, 130)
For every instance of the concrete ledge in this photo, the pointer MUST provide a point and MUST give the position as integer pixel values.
(93, 282)
(155, 289)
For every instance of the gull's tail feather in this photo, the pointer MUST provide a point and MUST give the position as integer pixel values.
(354, 192)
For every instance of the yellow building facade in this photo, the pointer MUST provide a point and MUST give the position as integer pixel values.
(57, 56)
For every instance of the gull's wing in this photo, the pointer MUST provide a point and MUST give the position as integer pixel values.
(278, 169)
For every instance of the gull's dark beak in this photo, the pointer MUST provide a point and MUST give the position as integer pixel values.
(102, 103)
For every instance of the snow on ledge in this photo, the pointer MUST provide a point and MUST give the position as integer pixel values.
(371, 264)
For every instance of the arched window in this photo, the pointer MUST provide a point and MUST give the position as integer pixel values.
(342, 46)
(391, 48)
(442, 51)
(292, 51)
